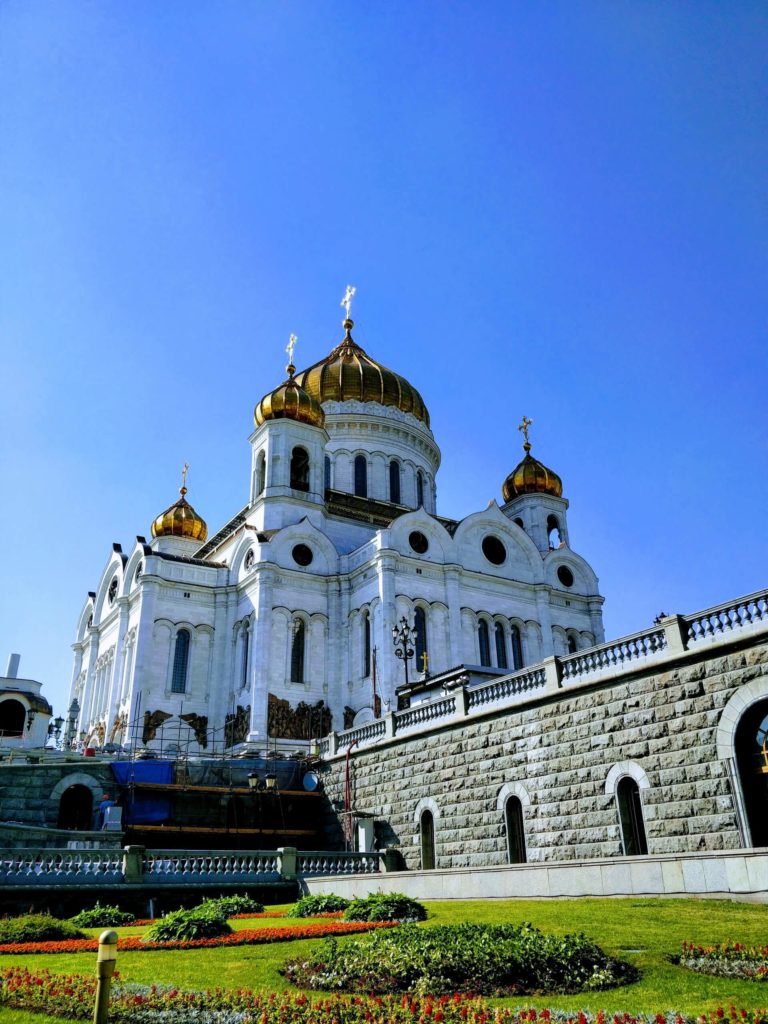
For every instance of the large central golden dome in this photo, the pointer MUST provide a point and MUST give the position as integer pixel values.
(349, 374)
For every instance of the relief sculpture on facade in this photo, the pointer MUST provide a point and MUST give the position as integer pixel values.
(236, 726)
(299, 723)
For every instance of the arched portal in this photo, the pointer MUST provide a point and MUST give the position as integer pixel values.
(12, 717)
(427, 835)
(76, 809)
(752, 763)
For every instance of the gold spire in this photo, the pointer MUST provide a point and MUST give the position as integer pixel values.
(530, 476)
(180, 519)
(289, 400)
(524, 428)
(349, 374)
(290, 368)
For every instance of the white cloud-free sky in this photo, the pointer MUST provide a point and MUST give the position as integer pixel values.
(553, 209)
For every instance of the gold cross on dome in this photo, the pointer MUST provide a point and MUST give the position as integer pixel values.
(184, 471)
(524, 428)
(346, 302)
(290, 347)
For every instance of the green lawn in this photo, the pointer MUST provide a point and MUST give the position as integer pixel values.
(643, 931)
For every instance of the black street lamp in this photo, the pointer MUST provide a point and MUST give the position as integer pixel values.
(404, 637)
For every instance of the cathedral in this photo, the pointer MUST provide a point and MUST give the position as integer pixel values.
(337, 582)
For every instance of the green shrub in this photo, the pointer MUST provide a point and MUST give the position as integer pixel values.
(485, 959)
(37, 928)
(102, 917)
(231, 905)
(188, 924)
(385, 906)
(310, 906)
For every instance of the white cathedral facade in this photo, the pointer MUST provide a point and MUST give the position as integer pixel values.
(279, 626)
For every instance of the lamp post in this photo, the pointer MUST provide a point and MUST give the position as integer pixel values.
(105, 968)
(404, 637)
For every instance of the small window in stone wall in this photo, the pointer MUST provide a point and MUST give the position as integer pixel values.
(112, 592)
(418, 542)
(565, 575)
(427, 837)
(302, 555)
(631, 817)
(494, 550)
(515, 829)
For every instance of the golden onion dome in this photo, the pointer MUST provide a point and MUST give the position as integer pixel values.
(349, 374)
(289, 401)
(531, 477)
(180, 520)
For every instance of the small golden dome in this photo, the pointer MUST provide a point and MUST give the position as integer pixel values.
(289, 401)
(349, 374)
(531, 477)
(180, 520)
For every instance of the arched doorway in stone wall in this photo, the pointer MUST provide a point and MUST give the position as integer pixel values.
(751, 742)
(76, 809)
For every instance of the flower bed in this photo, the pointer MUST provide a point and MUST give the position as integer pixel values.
(484, 959)
(146, 922)
(72, 996)
(727, 960)
(246, 937)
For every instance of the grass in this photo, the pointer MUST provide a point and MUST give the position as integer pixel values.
(644, 932)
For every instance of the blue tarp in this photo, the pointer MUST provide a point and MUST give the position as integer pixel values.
(142, 808)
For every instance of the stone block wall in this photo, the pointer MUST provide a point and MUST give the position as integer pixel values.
(557, 752)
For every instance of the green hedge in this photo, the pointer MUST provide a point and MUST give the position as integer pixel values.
(37, 928)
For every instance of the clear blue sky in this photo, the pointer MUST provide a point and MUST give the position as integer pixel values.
(556, 208)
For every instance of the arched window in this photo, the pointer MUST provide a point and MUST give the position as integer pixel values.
(366, 645)
(76, 809)
(361, 476)
(513, 821)
(484, 642)
(501, 646)
(298, 642)
(180, 662)
(394, 482)
(12, 718)
(327, 472)
(261, 473)
(420, 647)
(553, 532)
(517, 647)
(752, 762)
(419, 489)
(246, 646)
(427, 835)
(631, 817)
(573, 644)
(519, 522)
(300, 469)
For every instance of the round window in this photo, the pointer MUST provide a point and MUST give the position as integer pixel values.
(112, 592)
(565, 576)
(302, 555)
(418, 542)
(494, 550)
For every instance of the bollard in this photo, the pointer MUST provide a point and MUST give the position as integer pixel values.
(105, 968)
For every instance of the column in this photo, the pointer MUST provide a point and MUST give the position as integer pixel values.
(262, 631)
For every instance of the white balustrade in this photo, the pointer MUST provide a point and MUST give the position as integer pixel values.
(423, 714)
(324, 863)
(730, 617)
(41, 867)
(614, 655)
(361, 735)
(502, 689)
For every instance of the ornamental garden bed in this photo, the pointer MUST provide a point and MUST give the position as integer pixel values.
(643, 932)
(726, 960)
